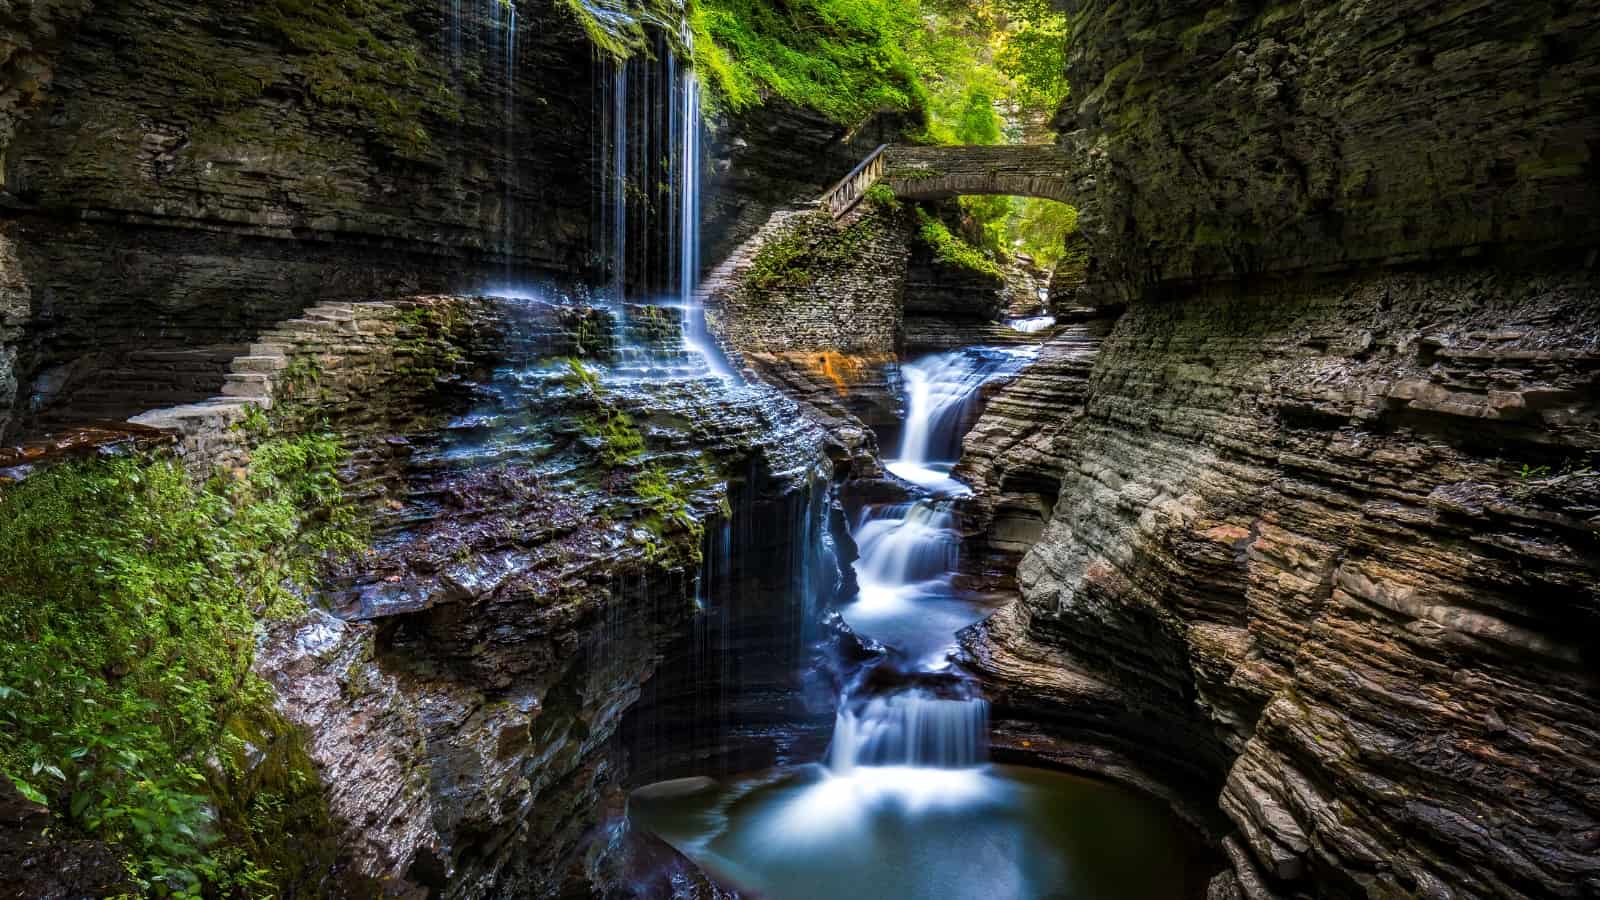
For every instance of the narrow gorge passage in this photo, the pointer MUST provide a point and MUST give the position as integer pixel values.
(906, 802)
(800, 449)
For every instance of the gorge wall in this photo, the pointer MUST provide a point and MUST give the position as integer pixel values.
(166, 193)
(185, 186)
(1325, 552)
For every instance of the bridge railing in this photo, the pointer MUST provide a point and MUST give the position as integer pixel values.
(843, 197)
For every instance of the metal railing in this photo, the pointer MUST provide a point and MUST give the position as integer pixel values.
(843, 197)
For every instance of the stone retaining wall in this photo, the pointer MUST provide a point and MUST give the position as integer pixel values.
(851, 305)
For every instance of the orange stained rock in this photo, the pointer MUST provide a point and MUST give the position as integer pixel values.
(844, 370)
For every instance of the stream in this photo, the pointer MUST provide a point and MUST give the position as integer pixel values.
(905, 802)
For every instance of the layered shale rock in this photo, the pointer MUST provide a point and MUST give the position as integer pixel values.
(463, 696)
(1324, 559)
(1014, 455)
(1354, 549)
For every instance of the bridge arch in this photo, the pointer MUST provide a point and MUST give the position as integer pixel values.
(939, 173)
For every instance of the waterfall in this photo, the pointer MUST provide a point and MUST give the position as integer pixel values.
(911, 729)
(487, 30)
(907, 600)
(1031, 324)
(940, 392)
(691, 166)
(904, 545)
(508, 218)
(618, 183)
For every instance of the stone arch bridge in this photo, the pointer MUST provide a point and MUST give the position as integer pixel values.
(938, 173)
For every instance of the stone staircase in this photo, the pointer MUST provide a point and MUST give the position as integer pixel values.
(728, 273)
(205, 428)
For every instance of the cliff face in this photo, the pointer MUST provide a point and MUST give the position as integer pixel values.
(1221, 138)
(465, 699)
(183, 186)
(1325, 557)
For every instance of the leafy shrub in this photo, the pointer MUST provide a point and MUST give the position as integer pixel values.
(953, 250)
(883, 197)
(128, 607)
(844, 58)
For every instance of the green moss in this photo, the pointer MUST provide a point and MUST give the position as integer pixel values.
(669, 503)
(621, 444)
(128, 606)
(363, 56)
(429, 337)
(815, 246)
(948, 248)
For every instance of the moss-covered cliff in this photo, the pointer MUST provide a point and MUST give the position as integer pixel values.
(1226, 138)
(1320, 549)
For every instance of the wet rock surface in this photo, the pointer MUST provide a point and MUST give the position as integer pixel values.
(464, 692)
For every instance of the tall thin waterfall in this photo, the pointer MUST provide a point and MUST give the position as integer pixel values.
(486, 30)
(618, 182)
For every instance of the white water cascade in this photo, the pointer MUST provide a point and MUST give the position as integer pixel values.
(940, 391)
(907, 602)
(912, 728)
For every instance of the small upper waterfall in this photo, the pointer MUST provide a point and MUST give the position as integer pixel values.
(940, 393)
(1031, 324)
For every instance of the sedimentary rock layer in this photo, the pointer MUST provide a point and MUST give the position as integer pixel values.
(1339, 539)
(465, 702)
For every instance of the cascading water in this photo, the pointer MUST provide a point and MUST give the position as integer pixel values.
(906, 803)
(912, 728)
(908, 559)
(1031, 324)
(941, 391)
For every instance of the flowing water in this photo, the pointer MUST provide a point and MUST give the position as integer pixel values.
(942, 392)
(906, 803)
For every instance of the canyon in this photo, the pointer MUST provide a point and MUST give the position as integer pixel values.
(1263, 531)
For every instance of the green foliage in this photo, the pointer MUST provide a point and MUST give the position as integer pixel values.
(844, 58)
(128, 607)
(990, 67)
(618, 36)
(1040, 228)
(959, 63)
(817, 245)
(883, 197)
(953, 250)
(984, 222)
(1032, 50)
